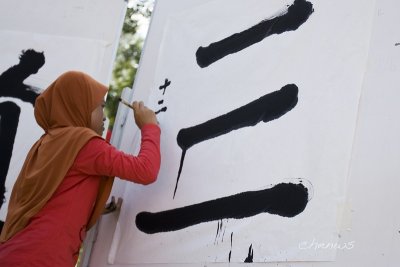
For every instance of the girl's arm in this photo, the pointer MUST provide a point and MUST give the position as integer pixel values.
(98, 157)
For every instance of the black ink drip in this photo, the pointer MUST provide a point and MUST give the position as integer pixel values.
(284, 199)
(230, 252)
(216, 235)
(268, 107)
(160, 102)
(224, 232)
(250, 255)
(219, 230)
(296, 15)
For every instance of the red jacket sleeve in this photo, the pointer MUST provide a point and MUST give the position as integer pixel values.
(98, 157)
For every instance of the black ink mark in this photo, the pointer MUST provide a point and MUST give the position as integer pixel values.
(12, 85)
(161, 110)
(284, 199)
(164, 87)
(220, 227)
(224, 232)
(216, 235)
(12, 80)
(296, 15)
(230, 252)
(9, 119)
(396, 44)
(219, 231)
(250, 255)
(179, 171)
(268, 107)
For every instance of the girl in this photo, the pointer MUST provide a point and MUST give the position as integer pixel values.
(66, 178)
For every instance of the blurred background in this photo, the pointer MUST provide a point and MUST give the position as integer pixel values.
(134, 30)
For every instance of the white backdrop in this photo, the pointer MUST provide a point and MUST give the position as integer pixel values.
(325, 57)
(73, 35)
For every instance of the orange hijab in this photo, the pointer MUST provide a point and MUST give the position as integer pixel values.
(64, 111)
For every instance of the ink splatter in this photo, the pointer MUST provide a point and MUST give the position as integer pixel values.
(291, 20)
(284, 199)
(268, 107)
(250, 255)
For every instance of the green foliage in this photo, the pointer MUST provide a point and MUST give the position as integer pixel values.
(128, 54)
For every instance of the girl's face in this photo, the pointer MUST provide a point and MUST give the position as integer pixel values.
(98, 118)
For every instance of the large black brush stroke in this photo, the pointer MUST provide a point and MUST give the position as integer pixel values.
(284, 199)
(296, 15)
(12, 80)
(12, 85)
(268, 107)
(9, 119)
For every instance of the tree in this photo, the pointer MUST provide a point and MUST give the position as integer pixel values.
(128, 54)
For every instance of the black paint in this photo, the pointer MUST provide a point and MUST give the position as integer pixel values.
(223, 233)
(296, 15)
(9, 119)
(164, 87)
(180, 170)
(161, 110)
(268, 107)
(219, 231)
(250, 255)
(230, 252)
(284, 199)
(216, 235)
(12, 80)
(12, 85)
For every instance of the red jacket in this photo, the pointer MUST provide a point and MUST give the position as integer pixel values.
(54, 235)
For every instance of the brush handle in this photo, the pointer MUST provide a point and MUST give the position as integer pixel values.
(126, 103)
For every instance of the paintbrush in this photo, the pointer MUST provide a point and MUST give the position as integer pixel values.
(129, 105)
(126, 103)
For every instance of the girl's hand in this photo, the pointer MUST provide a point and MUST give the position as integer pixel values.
(143, 115)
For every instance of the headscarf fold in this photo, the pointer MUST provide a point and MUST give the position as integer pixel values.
(64, 111)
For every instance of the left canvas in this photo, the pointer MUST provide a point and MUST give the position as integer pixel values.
(32, 56)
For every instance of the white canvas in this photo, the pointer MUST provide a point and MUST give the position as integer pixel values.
(326, 59)
(64, 32)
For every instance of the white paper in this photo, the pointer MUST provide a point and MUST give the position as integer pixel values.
(326, 59)
(73, 35)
